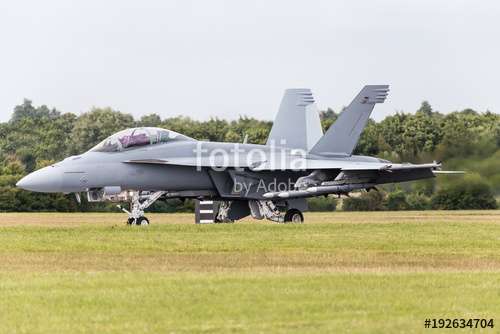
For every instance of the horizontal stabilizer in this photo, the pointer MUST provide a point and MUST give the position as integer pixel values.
(342, 137)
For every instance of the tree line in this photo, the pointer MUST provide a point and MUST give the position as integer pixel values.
(37, 136)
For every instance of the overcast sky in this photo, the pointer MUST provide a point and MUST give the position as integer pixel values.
(230, 58)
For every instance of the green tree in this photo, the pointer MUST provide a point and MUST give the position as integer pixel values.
(184, 125)
(368, 201)
(421, 133)
(470, 193)
(418, 202)
(94, 126)
(27, 110)
(322, 204)
(371, 141)
(328, 117)
(153, 120)
(396, 201)
(425, 109)
(36, 136)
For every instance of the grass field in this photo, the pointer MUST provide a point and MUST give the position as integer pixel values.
(379, 272)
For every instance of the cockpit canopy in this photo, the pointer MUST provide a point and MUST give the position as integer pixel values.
(137, 137)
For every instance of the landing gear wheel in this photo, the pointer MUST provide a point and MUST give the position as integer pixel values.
(294, 216)
(142, 221)
(138, 221)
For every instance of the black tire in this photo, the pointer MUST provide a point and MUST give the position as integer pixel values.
(225, 221)
(131, 221)
(294, 216)
(142, 221)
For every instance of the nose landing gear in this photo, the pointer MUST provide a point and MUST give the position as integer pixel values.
(138, 203)
(271, 211)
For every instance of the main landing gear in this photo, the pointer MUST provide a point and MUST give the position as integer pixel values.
(275, 212)
(138, 203)
(294, 216)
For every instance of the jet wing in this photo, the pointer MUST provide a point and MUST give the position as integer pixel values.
(362, 176)
(286, 163)
(298, 163)
(261, 165)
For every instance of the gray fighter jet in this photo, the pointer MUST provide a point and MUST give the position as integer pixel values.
(142, 165)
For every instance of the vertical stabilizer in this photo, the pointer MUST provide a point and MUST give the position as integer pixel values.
(297, 124)
(342, 137)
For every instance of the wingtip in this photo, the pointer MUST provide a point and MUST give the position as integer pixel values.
(449, 172)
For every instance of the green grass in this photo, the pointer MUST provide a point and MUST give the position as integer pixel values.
(340, 272)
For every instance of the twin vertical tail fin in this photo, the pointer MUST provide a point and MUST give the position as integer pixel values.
(342, 137)
(297, 124)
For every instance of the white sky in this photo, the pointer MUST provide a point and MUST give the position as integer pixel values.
(230, 58)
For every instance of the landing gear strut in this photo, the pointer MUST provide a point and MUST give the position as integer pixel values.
(136, 213)
(223, 214)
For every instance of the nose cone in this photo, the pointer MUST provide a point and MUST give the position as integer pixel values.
(45, 180)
